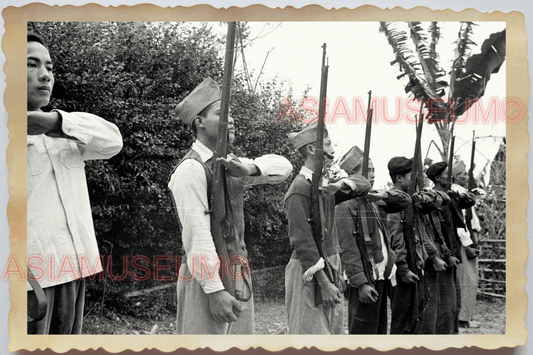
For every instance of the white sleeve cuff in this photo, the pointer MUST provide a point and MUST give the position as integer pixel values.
(464, 235)
(309, 273)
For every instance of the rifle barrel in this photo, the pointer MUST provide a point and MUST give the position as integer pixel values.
(218, 192)
(368, 133)
(450, 162)
(317, 178)
(226, 91)
(471, 180)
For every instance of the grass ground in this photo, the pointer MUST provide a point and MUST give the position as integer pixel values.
(269, 319)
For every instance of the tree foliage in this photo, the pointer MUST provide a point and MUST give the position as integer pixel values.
(428, 81)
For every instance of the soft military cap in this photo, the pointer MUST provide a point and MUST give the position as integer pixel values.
(201, 97)
(436, 169)
(399, 166)
(458, 167)
(352, 159)
(306, 136)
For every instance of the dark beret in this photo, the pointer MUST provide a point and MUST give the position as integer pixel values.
(436, 169)
(399, 166)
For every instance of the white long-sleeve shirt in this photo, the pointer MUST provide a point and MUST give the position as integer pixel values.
(188, 184)
(61, 240)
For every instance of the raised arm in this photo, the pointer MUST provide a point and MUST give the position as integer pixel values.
(96, 138)
(396, 201)
(267, 169)
(351, 187)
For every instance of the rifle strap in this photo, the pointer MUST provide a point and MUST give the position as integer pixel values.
(37, 302)
(365, 215)
(429, 219)
(329, 270)
(368, 267)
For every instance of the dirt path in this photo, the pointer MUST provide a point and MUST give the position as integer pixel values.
(270, 319)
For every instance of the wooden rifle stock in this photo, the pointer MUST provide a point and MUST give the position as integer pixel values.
(221, 214)
(316, 215)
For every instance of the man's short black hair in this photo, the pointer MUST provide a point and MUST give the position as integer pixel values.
(303, 151)
(34, 37)
(202, 114)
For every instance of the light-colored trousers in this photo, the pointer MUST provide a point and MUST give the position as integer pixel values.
(303, 316)
(467, 274)
(194, 314)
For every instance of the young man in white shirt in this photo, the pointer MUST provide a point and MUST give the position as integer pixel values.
(59, 222)
(204, 305)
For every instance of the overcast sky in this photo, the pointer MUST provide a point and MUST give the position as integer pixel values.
(359, 59)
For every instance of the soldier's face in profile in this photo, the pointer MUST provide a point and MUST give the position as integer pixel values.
(461, 178)
(443, 177)
(405, 181)
(371, 172)
(39, 76)
(210, 122)
(329, 152)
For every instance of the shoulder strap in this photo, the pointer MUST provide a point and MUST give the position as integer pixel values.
(208, 175)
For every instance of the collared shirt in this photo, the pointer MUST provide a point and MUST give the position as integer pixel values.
(188, 184)
(61, 240)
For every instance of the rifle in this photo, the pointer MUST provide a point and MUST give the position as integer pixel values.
(363, 241)
(471, 180)
(222, 214)
(417, 164)
(368, 132)
(450, 163)
(471, 186)
(410, 215)
(316, 213)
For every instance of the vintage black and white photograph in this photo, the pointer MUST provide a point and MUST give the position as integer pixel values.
(166, 234)
(268, 176)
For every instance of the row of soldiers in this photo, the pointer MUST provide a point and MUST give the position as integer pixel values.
(374, 252)
(377, 245)
(388, 244)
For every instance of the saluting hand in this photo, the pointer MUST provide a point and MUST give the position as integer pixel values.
(367, 294)
(237, 169)
(224, 307)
